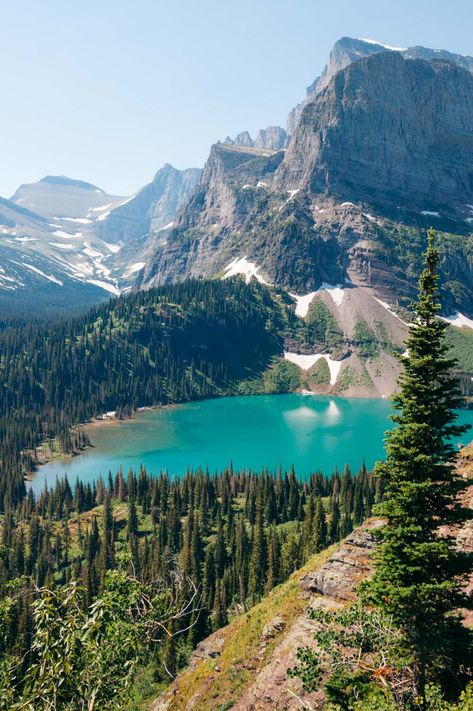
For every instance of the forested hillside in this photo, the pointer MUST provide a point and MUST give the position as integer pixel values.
(171, 344)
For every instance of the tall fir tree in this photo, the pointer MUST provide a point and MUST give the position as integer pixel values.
(419, 572)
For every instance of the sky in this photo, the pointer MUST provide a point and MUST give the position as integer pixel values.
(108, 91)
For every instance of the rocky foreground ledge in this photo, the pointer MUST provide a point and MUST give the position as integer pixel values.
(244, 665)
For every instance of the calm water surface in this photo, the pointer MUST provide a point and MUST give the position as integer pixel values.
(310, 432)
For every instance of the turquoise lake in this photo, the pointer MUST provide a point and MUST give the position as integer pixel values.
(307, 431)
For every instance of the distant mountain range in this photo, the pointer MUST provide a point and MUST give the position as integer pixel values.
(66, 242)
(380, 148)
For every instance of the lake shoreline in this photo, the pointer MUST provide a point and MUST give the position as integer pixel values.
(105, 421)
(89, 426)
(161, 441)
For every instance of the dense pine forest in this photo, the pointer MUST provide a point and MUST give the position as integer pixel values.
(173, 344)
(217, 542)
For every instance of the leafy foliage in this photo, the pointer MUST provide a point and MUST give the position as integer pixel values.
(86, 658)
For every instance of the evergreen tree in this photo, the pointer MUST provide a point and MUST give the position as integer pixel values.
(419, 573)
(319, 527)
(132, 519)
(258, 561)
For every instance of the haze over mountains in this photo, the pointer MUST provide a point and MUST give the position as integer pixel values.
(380, 148)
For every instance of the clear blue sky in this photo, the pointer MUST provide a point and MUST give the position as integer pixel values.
(108, 91)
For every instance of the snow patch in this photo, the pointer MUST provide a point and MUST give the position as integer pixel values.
(291, 193)
(26, 239)
(67, 235)
(46, 276)
(371, 218)
(101, 208)
(459, 320)
(114, 248)
(307, 361)
(135, 268)
(166, 227)
(261, 184)
(91, 252)
(336, 292)
(243, 266)
(80, 220)
(303, 303)
(430, 212)
(380, 44)
(61, 245)
(105, 285)
(103, 216)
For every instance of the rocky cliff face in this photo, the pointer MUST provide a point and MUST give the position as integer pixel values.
(384, 131)
(350, 49)
(345, 51)
(152, 208)
(382, 152)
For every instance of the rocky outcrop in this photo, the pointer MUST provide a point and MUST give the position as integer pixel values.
(273, 138)
(244, 139)
(383, 131)
(216, 679)
(266, 684)
(338, 577)
(378, 156)
(350, 49)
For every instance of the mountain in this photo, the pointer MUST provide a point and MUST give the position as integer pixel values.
(383, 131)
(152, 208)
(62, 197)
(379, 150)
(34, 275)
(350, 49)
(72, 243)
(135, 224)
(378, 155)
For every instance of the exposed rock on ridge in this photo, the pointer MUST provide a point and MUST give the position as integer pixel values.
(350, 49)
(273, 138)
(384, 150)
(384, 131)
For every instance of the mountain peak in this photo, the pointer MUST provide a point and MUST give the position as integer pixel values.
(70, 182)
(347, 50)
(376, 43)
